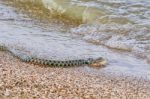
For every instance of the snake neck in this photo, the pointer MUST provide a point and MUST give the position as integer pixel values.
(89, 61)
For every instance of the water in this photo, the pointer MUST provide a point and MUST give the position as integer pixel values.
(118, 30)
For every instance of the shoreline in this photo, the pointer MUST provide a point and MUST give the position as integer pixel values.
(21, 80)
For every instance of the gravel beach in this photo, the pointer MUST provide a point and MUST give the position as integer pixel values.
(19, 80)
(26, 25)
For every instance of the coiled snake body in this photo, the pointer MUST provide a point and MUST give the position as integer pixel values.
(58, 63)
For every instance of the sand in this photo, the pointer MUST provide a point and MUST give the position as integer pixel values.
(20, 80)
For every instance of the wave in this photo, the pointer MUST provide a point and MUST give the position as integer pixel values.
(117, 24)
(70, 10)
(128, 37)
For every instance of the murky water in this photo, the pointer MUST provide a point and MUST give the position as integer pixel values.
(117, 30)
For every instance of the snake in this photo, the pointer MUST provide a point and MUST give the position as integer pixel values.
(98, 62)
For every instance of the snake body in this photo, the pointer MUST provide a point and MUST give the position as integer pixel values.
(57, 63)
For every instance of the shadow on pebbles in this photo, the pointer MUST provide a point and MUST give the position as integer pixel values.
(19, 80)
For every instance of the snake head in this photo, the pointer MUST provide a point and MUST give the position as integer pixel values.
(98, 62)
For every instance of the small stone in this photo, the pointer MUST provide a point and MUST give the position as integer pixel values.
(7, 93)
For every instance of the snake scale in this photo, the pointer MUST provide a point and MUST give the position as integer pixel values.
(57, 63)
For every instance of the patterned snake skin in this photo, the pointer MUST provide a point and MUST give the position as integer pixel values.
(57, 63)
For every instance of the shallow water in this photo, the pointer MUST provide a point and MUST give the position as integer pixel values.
(118, 31)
